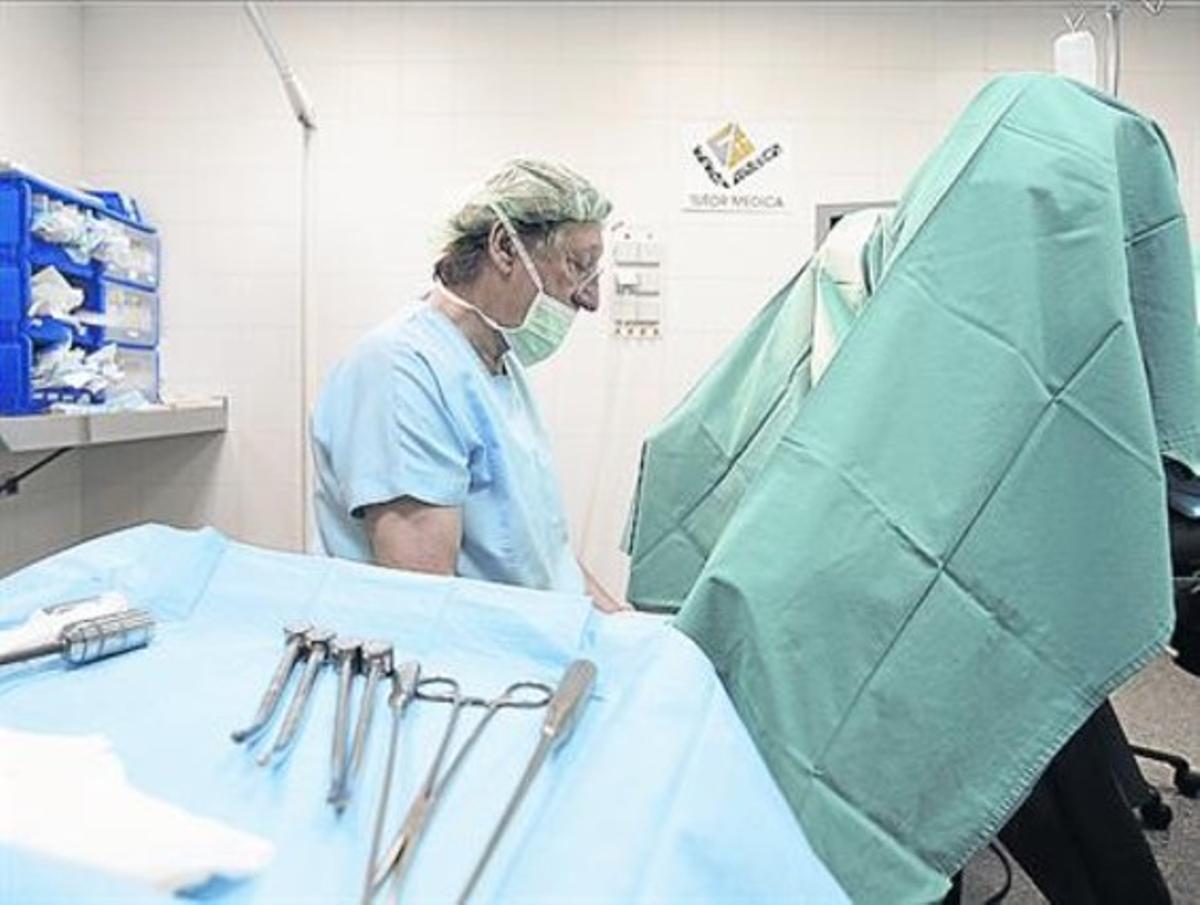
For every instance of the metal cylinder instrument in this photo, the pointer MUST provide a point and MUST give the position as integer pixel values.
(89, 640)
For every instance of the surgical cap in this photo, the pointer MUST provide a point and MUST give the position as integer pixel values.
(530, 193)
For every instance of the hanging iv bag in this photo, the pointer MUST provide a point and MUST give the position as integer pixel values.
(1075, 56)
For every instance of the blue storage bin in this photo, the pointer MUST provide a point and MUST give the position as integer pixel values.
(90, 337)
(14, 258)
(17, 397)
(47, 331)
(140, 265)
(121, 265)
(141, 372)
(46, 254)
(131, 313)
(118, 202)
(16, 357)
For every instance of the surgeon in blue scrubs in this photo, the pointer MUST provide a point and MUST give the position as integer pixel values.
(430, 452)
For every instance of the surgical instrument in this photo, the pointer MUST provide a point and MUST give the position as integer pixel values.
(400, 853)
(317, 641)
(294, 634)
(89, 640)
(346, 655)
(376, 658)
(562, 714)
(404, 689)
(45, 625)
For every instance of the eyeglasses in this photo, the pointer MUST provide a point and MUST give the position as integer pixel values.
(582, 274)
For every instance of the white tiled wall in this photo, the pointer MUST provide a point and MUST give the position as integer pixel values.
(183, 109)
(41, 99)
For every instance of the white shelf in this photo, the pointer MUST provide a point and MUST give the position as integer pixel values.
(29, 433)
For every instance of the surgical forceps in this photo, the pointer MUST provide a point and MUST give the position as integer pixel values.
(295, 635)
(404, 688)
(346, 654)
(377, 660)
(317, 642)
(445, 690)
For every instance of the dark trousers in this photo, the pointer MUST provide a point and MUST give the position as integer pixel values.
(1076, 835)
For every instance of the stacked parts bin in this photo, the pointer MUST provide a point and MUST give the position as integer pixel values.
(120, 292)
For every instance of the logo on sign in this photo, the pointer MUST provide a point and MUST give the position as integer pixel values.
(729, 157)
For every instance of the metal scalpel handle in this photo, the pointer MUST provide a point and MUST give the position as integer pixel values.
(89, 640)
(562, 713)
(295, 633)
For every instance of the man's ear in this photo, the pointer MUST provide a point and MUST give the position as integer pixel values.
(500, 248)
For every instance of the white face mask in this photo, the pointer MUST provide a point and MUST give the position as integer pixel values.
(548, 320)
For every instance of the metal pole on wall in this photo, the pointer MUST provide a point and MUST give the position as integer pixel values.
(307, 353)
(1112, 13)
(306, 116)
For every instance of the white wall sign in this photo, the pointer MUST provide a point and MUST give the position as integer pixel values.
(734, 167)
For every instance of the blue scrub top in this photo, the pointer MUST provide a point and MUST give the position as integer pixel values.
(413, 412)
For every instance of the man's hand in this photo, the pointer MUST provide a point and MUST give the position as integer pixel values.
(603, 601)
(409, 534)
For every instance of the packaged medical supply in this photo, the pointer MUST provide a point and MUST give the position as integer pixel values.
(52, 296)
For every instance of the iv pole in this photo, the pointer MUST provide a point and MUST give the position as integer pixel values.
(306, 116)
(1112, 15)
(1112, 53)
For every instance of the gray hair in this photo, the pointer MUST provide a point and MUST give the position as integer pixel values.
(538, 197)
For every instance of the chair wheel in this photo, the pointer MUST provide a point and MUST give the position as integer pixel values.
(1155, 814)
(1188, 783)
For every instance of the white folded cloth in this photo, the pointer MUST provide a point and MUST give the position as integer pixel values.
(67, 797)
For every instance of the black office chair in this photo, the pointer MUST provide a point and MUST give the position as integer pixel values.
(1183, 497)
(1184, 524)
